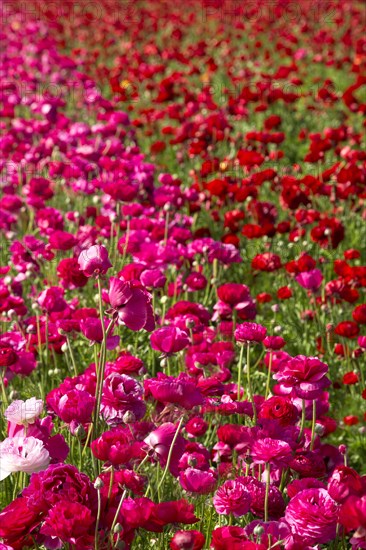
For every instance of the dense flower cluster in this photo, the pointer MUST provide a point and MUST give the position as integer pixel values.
(182, 275)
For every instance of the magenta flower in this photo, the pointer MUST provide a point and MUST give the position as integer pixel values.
(169, 339)
(91, 327)
(232, 498)
(344, 482)
(274, 451)
(159, 442)
(117, 446)
(76, 405)
(311, 280)
(121, 394)
(153, 278)
(94, 261)
(132, 305)
(313, 515)
(60, 482)
(52, 300)
(169, 389)
(70, 522)
(197, 481)
(257, 489)
(250, 332)
(306, 376)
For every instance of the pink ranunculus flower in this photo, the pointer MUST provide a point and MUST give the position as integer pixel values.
(311, 280)
(121, 394)
(180, 390)
(159, 442)
(197, 481)
(313, 515)
(274, 451)
(71, 522)
(132, 304)
(306, 376)
(232, 498)
(94, 261)
(250, 332)
(24, 412)
(22, 454)
(76, 405)
(91, 327)
(169, 339)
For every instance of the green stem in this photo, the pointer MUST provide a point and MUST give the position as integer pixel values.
(240, 370)
(313, 422)
(250, 391)
(303, 417)
(269, 374)
(169, 456)
(96, 543)
(268, 483)
(118, 511)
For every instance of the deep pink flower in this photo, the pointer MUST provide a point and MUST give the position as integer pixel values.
(313, 515)
(305, 375)
(232, 498)
(91, 327)
(353, 514)
(132, 303)
(76, 405)
(59, 482)
(311, 280)
(169, 389)
(52, 300)
(232, 537)
(197, 481)
(257, 490)
(61, 240)
(94, 261)
(274, 342)
(301, 484)
(344, 482)
(250, 332)
(121, 394)
(159, 442)
(117, 446)
(169, 340)
(153, 278)
(70, 522)
(270, 450)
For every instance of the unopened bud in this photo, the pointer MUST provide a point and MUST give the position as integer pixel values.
(80, 433)
(128, 417)
(98, 484)
(258, 530)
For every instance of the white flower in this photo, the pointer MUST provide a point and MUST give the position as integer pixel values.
(22, 454)
(24, 412)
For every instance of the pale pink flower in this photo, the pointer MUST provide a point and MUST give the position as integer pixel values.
(24, 412)
(22, 454)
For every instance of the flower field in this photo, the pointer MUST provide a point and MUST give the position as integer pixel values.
(183, 275)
